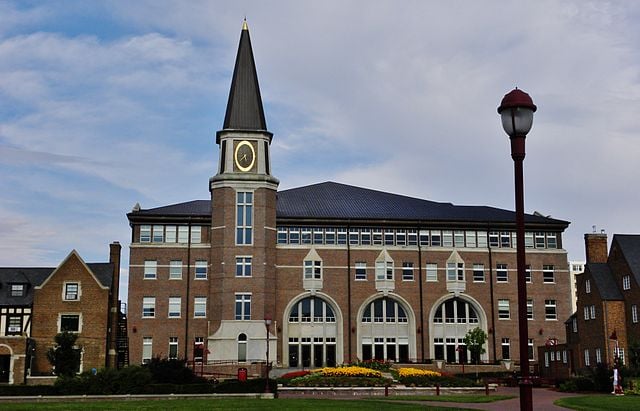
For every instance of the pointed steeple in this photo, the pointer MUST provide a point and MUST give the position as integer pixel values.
(244, 108)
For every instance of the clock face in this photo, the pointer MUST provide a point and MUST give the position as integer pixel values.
(245, 156)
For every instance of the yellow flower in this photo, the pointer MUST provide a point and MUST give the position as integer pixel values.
(416, 372)
(351, 371)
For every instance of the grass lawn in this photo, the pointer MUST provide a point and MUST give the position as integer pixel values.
(450, 398)
(601, 402)
(218, 404)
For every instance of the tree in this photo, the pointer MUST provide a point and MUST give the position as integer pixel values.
(65, 356)
(474, 340)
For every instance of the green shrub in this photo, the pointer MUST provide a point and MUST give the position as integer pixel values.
(432, 381)
(256, 385)
(319, 380)
(171, 371)
(27, 390)
(577, 384)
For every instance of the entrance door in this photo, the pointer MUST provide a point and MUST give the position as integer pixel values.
(5, 364)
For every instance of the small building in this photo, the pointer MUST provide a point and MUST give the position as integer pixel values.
(37, 303)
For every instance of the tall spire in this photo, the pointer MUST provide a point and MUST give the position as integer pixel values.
(244, 108)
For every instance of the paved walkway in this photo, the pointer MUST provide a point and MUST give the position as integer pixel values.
(543, 399)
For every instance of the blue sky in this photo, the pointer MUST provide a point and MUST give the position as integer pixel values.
(105, 104)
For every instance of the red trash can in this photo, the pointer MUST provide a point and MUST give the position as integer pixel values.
(242, 374)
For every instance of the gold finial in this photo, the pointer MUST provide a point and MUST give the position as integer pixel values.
(244, 24)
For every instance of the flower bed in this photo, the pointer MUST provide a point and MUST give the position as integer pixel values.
(349, 371)
(416, 372)
(349, 376)
(415, 377)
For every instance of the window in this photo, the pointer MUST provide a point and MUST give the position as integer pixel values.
(458, 239)
(342, 236)
(243, 306)
(173, 348)
(306, 235)
(243, 266)
(183, 234)
(587, 286)
(529, 309)
(384, 270)
(361, 270)
(175, 270)
(436, 238)
(586, 358)
(70, 323)
(282, 235)
(478, 273)
(71, 291)
(432, 272)
(447, 238)
(170, 234)
(503, 310)
(471, 239)
(505, 239)
(200, 307)
(482, 239)
(294, 235)
(145, 233)
(148, 307)
(592, 312)
(388, 238)
(634, 313)
(174, 307)
(494, 239)
(150, 269)
(548, 276)
(147, 349)
(14, 325)
(365, 237)
(17, 290)
(621, 355)
(528, 240)
(506, 352)
(424, 238)
(502, 275)
(626, 282)
(244, 217)
(551, 240)
(201, 270)
(574, 324)
(527, 273)
(550, 310)
(196, 234)
(530, 348)
(586, 312)
(401, 237)
(330, 236)
(412, 238)
(539, 240)
(407, 271)
(455, 271)
(598, 356)
(564, 356)
(158, 234)
(546, 359)
(313, 269)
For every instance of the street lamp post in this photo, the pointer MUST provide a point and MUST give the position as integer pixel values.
(267, 325)
(516, 111)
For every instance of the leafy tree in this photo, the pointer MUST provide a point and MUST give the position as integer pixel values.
(65, 356)
(475, 340)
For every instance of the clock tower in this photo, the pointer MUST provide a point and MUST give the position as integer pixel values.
(243, 217)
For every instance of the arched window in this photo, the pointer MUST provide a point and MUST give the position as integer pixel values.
(312, 310)
(312, 333)
(242, 347)
(452, 319)
(384, 331)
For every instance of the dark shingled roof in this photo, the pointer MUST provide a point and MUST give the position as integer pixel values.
(630, 247)
(604, 281)
(34, 276)
(244, 108)
(336, 201)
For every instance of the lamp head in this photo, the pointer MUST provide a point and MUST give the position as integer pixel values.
(516, 111)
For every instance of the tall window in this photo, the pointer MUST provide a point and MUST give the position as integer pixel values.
(150, 269)
(634, 313)
(384, 270)
(539, 240)
(147, 349)
(407, 271)
(14, 325)
(550, 310)
(145, 233)
(158, 234)
(432, 272)
(552, 242)
(312, 310)
(243, 266)
(529, 309)
(244, 218)
(243, 306)
(502, 275)
(528, 240)
(384, 310)
(506, 349)
(71, 291)
(626, 282)
(174, 307)
(183, 234)
(313, 269)
(478, 273)
(548, 276)
(170, 234)
(148, 307)
(586, 312)
(196, 234)
(598, 356)
(587, 361)
(175, 270)
(200, 307)
(504, 312)
(530, 348)
(587, 286)
(173, 348)
(527, 273)
(242, 347)
(455, 271)
(361, 270)
(201, 270)
(592, 311)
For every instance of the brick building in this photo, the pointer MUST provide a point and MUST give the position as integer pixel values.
(344, 272)
(38, 303)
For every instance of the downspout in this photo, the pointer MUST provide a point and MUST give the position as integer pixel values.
(422, 332)
(186, 314)
(349, 291)
(493, 312)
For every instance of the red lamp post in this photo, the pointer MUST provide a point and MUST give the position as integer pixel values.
(516, 111)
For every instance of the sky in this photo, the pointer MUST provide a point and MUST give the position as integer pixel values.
(105, 104)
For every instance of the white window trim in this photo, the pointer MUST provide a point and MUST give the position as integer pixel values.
(196, 303)
(70, 313)
(154, 308)
(172, 266)
(64, 291)
(169, 308)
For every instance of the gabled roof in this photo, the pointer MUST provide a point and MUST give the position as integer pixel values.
(331, 200)
(604, 281)
(335, 201)
(630, 248)
(244, 108)
(74, 254)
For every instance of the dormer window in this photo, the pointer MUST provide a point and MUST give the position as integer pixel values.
(18, 290)
(71, 291)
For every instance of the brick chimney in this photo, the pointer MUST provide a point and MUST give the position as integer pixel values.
(114, 305)
(595, 246)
